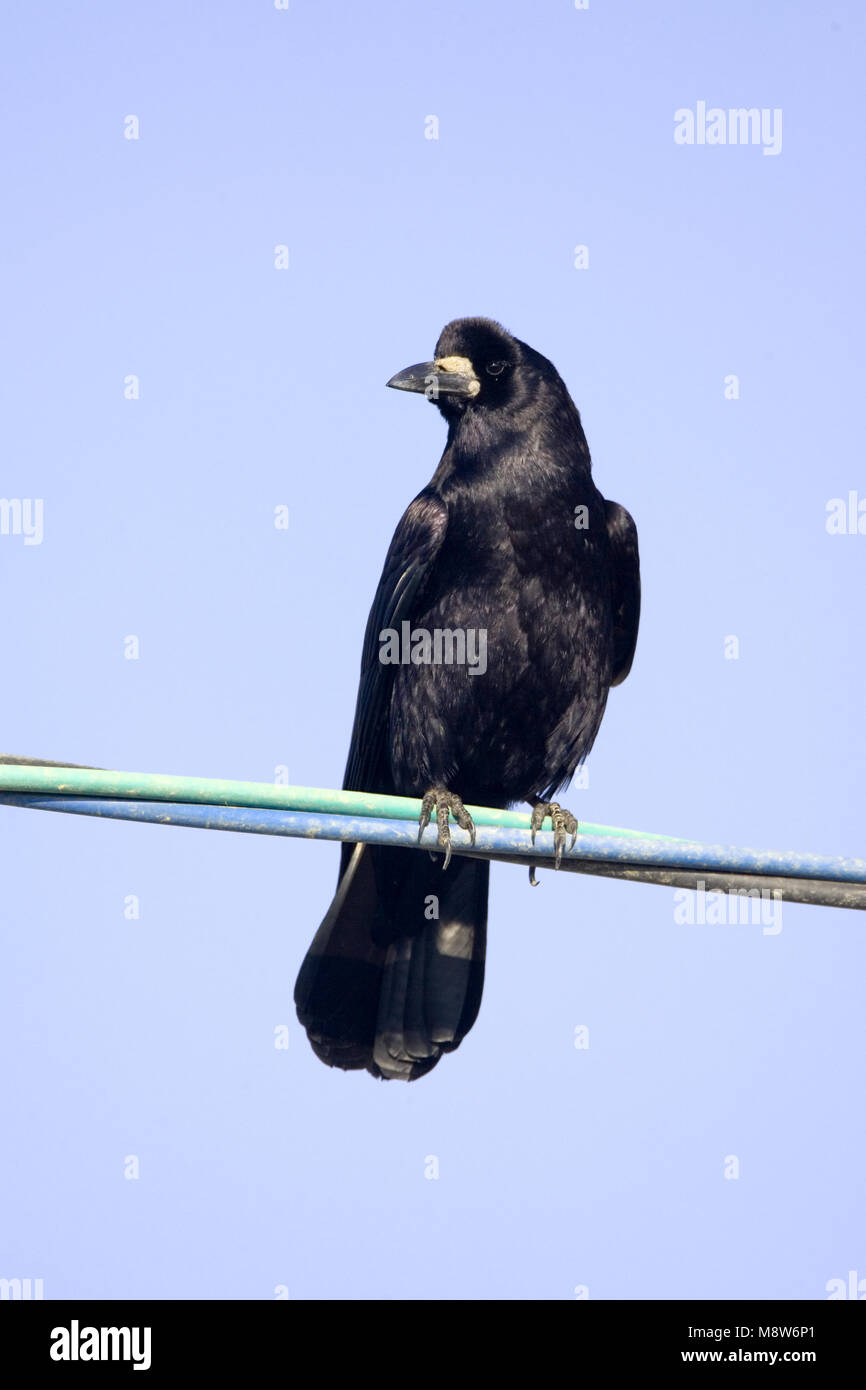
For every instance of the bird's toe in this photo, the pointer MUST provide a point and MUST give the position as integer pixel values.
(563, 823)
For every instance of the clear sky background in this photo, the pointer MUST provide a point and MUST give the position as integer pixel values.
(558, 1167)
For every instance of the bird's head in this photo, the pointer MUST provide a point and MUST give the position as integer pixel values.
(479, 367)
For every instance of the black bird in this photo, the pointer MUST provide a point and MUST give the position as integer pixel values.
(513, 540)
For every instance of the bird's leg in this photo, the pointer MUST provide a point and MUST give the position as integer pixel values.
(445, 803)
(564, 824)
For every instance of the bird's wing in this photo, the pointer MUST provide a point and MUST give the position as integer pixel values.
(413, 550)
(625, 588)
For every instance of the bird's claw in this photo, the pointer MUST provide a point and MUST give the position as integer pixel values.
(563, 822)
(446, 803)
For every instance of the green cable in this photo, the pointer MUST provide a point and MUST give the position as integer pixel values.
(212, 791)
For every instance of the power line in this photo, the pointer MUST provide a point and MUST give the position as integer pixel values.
(327, 814)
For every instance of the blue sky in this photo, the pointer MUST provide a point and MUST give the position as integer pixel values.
(154, 258)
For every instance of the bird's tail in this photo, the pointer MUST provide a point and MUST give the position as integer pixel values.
(394, 975)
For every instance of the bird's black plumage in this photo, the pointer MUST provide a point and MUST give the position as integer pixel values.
(510, 538)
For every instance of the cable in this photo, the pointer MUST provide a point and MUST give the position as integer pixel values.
(638, 857)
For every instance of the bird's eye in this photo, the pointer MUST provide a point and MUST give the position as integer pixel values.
(495, 368)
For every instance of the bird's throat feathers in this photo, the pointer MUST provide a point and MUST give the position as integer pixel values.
(552, 453)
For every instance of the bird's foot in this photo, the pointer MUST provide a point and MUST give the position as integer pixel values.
(445, 803)
(564, 824)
